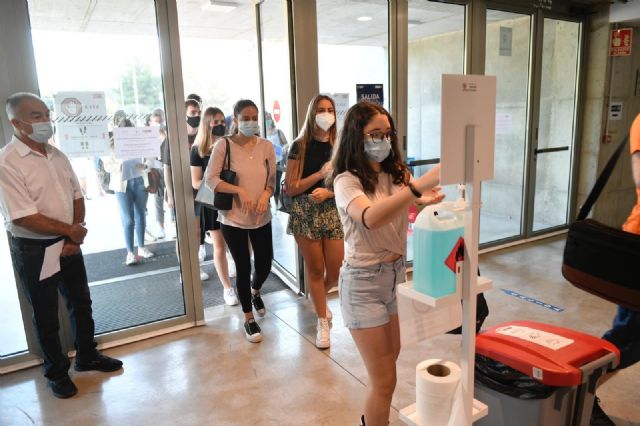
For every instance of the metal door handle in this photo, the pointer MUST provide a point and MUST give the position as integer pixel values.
(548, 150)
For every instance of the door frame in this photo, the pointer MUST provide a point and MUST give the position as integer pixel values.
(21, 76)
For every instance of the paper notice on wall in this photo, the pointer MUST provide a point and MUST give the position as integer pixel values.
(136, 142)
(504, 123)
(539, 337)
(81, 123)
(342, 106)
(506, 41)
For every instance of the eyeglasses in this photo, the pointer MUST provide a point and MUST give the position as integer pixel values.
(378, 135)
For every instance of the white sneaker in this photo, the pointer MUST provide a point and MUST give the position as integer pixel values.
(207, 238)
(161, 234)
(230, 297)
(202, 253)
(132, 259)
(323, 334)
(231, 266)
(203, 275)
(145, 253)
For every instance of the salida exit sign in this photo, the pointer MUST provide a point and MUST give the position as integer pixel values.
(620, 44)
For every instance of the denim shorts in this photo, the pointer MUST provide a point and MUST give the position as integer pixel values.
(368, 293)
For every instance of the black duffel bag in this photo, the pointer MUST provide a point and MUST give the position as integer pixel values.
(600, 259)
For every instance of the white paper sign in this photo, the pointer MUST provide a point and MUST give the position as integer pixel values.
(81, 123)
(136, 142)
(342, 106)
(504, 123)
(467, 100)
(51, 262)
(539, 337)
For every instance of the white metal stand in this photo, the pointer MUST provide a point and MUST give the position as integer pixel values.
(470, 286)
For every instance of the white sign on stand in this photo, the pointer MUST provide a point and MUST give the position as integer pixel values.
(467, 100)
(81, 123)
(136, 142)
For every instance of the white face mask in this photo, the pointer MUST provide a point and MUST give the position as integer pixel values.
(248, 128)
(42, 131)
(325, 120)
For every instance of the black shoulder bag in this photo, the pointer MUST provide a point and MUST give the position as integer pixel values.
(600, 259)
(224, 200)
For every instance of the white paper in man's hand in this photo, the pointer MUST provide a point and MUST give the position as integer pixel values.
(51, 263)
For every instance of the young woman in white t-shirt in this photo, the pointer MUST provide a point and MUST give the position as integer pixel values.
(373, 190)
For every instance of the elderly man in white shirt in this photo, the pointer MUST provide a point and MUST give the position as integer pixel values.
(43, 209)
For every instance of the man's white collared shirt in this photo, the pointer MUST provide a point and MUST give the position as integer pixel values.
(31, 183)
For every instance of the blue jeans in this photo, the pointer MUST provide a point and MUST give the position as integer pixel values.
(625, 334)
(133, 205)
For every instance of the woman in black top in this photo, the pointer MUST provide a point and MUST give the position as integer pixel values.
(314, 219)
(211, 127)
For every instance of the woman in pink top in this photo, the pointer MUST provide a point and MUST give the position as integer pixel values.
(254, 161)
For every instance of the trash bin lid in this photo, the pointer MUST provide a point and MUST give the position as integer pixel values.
(553, 355)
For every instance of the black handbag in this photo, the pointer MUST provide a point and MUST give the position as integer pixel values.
(600, 259)
(284, 199)
(224, 200)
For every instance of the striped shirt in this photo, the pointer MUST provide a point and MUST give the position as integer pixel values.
(366, 247)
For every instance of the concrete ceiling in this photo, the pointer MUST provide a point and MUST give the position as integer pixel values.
(337, 19)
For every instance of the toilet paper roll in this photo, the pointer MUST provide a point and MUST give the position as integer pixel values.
(436, 384)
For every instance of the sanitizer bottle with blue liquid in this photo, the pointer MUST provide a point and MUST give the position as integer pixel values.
(436, 231)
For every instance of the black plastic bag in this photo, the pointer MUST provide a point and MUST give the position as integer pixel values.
(504, 379)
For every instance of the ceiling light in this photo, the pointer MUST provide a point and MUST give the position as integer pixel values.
(364, 18)
(219, 6)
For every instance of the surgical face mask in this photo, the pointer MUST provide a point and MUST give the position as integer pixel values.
(218, 130)
(377, 149)
(248, 128)
(325, 120)
(193, 121)
(42, 131)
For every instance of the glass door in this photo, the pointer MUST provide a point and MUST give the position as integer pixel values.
(508, 58)
(99, 71)
(280, 125)
(555, 132)
(436, 46)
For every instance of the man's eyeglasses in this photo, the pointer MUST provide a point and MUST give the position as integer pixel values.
(377, 135)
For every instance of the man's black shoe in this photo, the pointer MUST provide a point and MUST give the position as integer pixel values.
(99, 363)
(598, 416)
(63, 387)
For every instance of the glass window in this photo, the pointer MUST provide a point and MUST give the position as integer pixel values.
(218, 46)
(556, 127)
(507, 57)
(436, 47)
(278, 115)
(97, 67)
(354, 49)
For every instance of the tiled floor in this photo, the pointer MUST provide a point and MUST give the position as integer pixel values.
(211, 376)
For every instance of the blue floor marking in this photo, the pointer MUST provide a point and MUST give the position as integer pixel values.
(532, 300)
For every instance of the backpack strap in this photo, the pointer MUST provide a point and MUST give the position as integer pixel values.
(601, 181)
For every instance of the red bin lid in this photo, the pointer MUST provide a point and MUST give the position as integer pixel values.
(552, 355)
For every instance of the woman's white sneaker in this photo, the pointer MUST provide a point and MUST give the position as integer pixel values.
(131, 259)
(323, 334)
(203, 275)
(230, 296)
(145, 253)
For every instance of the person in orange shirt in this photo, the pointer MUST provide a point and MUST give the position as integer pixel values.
(625, 331)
